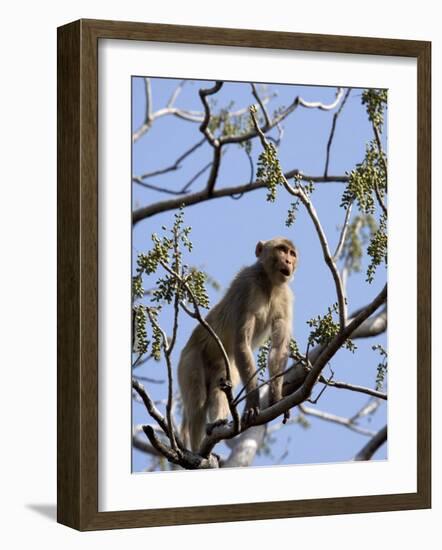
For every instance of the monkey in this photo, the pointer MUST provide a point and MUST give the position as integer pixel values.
(257, 304)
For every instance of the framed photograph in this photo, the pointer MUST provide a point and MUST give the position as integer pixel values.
(234, 207)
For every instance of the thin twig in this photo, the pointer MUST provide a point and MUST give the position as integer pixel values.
(175, 94)
(343, 233)
(333, 128)
(353, 387)
(147, 379)
(369, 408)
(299, 192)
(167, 350)
(347, 422)
(153, 187)
(150, 406)
(175, 166)
(196, 176)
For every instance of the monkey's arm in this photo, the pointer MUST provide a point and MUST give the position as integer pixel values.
(278, 356)
(246, 366)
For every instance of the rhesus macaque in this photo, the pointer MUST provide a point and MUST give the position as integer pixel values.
(258, 304)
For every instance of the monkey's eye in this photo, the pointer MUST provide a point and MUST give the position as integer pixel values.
(293, 253)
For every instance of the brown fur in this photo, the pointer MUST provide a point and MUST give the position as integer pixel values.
(258, 304)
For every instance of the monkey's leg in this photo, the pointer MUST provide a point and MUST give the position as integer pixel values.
(245, 364)
(218, 408)
(278, 359)
(194, 397)
(197, 424)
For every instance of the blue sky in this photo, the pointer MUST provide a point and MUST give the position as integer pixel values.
(225, 232)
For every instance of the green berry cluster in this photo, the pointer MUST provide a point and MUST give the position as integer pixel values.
(364, 179)
(381, 370)
(378, 249)
(375, 101)
(325, 329)
(269, 171)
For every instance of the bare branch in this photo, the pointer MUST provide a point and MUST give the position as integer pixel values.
(204, 128)
(371, 327)
(148, 112)
(333, 129)
(261, 104)
(343, 234)
(322, 106)
(182, 457)
(149, 118)
(175, 94)
(148, 380)
(352, 387)
(142, 445)
(173, 167)
(370, 408)
(372, 446)
(347, 422)
(204, 195)
(150, 406)
(214, 171)
(152, 187)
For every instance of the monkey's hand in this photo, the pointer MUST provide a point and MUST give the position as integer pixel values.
(251, 410)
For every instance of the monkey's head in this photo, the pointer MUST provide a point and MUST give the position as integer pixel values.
(279, 258)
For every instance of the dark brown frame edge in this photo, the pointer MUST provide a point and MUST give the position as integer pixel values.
(77, 224)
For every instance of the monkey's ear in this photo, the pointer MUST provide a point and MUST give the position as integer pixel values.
(259, 248)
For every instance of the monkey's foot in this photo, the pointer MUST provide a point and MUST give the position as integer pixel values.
(210, 427)
(249, 416)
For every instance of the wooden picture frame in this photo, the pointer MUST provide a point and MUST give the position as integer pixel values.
(77, 386)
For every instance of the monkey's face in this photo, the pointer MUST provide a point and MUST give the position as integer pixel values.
(279, 257)
(285, 259)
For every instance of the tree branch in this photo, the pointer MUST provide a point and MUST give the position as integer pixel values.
(204, 194)
(333, 129)
(181, 457)
(154, 412)
(322, 106)
(148, 112)
(347, 422)
(372, 446)
(352, 387)
(175, 166)
(304, 392)
(204, 128)
(343, 233)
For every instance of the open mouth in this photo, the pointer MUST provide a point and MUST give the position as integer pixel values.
(285, 271)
